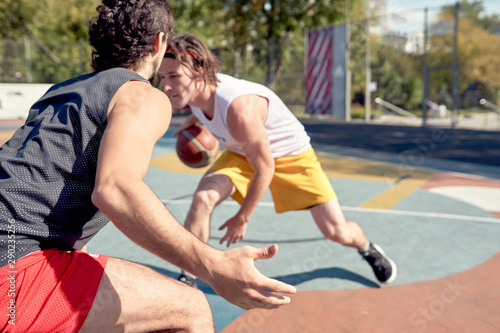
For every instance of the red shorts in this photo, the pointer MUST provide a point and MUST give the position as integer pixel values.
(49, 291)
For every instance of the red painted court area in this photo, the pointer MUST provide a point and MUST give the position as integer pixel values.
(443, 233)
(464, 302)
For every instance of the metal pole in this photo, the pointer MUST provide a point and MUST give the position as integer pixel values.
(368, 78)
(347, 71)
(235, 64)
(425, 72)
(82, 53)
(306, 60)
(27, 52)
(348, 78)
(456, 71)
(270, 63)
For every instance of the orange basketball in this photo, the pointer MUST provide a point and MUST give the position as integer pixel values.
(197, 147)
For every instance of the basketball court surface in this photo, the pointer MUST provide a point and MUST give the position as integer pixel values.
(438, 220)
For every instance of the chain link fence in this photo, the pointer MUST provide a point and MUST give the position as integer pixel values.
(437, 63)
(24, 61)
(397, 45)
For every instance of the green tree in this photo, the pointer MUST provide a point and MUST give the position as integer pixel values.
(367, 14)
(57, 31)
(269, 25)
(478, 51)
(260, 29)
(476, 14)
(397, 75)
(206, 19)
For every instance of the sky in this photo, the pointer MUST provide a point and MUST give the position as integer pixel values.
(411, 13)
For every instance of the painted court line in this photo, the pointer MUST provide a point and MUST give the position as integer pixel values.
(424, 214)
(394, 195)
(369, 210)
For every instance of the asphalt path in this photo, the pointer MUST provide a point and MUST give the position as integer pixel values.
(465, 145)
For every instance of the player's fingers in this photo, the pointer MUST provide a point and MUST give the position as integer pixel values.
(268, 300)
(271, 286)
(232, 240)
(256, 304)
(265, 252)
(236, 239)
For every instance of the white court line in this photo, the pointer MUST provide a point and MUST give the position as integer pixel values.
(368, 210)
(425, 214)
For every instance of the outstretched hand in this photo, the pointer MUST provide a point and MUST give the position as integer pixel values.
(236, 229)
(236, 279)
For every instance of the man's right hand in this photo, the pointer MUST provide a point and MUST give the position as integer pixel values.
(236, 279)
(190, 120)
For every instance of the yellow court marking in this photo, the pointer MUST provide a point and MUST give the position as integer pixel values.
(5, 136)
(352, 168)
(395, 194)
(401, 180)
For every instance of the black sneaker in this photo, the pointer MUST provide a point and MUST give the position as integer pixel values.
(190, 281)
(384, 268)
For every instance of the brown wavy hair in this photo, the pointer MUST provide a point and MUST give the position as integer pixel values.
(192, 53)
(123, 32)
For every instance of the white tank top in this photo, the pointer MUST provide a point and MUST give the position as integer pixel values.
(287, 135)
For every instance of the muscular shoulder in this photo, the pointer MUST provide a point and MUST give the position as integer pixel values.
(253, 106)
(138, 101)
(139, 94)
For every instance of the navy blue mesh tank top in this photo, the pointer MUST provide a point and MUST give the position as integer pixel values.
(47, 169)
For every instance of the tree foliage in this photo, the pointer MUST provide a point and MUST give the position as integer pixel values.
(478, 49)
(475, 13)
(57, 31)
(261, 29)
(261, 40)
(399, 75)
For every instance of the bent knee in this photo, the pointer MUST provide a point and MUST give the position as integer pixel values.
(205, 200)
(339, 235)
(199, 313)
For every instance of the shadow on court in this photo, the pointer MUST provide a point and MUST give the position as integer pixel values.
(442, 230)
(292, 279)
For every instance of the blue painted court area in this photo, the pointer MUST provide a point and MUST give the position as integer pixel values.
(428, 234)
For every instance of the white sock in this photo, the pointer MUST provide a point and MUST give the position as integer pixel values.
(367, 246)
(187, 274)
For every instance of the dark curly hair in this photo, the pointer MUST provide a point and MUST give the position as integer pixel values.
(123, 33)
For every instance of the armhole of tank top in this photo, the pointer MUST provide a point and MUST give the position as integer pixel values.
(118, 89)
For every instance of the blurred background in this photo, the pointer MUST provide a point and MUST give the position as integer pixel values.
(425, 62)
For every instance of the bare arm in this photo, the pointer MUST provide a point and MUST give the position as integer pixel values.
(138, 118)
(245, 121)
(139, 115)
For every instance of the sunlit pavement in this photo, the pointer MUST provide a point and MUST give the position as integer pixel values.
(438, 219)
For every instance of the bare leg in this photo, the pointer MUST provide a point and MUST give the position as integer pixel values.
(331, 221)
(212, 190)
(134, 298)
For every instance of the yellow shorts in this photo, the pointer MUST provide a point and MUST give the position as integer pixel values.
(299, 181)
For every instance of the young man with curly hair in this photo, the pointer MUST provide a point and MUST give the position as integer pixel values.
(267, 147)
(78, 162)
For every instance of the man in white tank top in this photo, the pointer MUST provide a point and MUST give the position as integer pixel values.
(267, 147)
